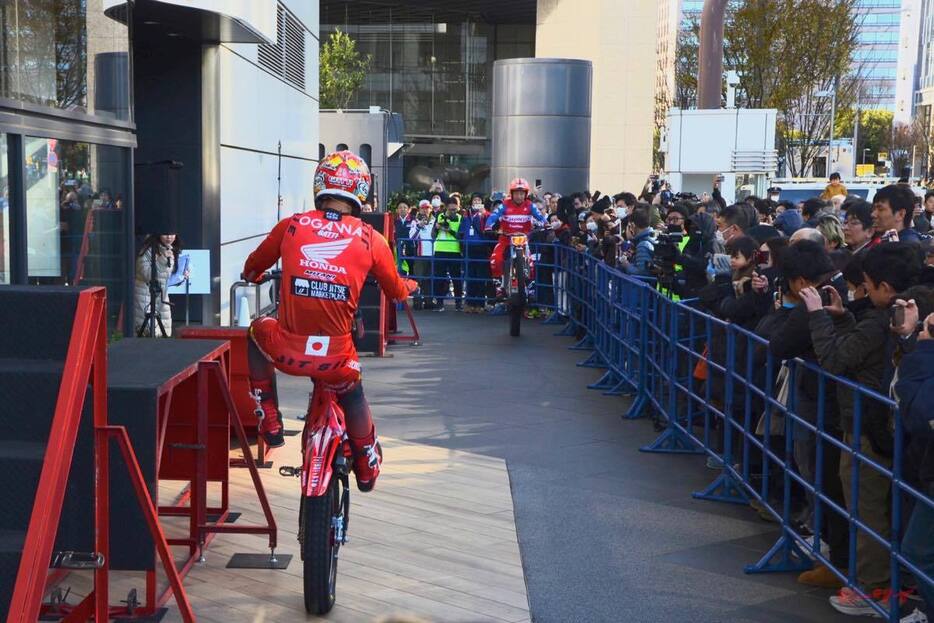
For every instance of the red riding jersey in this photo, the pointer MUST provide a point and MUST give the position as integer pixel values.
(326, 257)
(514, 219)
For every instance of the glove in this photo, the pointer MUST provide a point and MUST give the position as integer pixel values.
(251, 277)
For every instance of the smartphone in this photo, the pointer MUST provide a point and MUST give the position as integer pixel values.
(825, 297)
(898, 315)
(762, 257)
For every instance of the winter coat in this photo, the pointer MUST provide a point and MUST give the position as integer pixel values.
(790, 337)
(141, 299)
(914, 388)
(644, 244)
(854, 346)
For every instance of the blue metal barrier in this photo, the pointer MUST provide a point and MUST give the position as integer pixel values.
(713, 386)
(466, 279)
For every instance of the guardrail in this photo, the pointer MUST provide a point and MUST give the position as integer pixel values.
(715, 389)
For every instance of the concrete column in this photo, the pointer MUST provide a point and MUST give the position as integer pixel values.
(619, 39)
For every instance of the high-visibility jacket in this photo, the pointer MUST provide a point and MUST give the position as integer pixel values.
(679, 269)
(447, 239)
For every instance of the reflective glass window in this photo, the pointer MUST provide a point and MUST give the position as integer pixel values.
(65, 54)
(75, 216)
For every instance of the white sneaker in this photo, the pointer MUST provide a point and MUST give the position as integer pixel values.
(915, 617)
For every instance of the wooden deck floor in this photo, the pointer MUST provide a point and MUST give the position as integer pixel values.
(436, 541)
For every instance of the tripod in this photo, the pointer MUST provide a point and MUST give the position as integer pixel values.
(153, 319)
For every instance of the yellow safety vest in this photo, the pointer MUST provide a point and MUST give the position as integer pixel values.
(678, 269)
(447, 241)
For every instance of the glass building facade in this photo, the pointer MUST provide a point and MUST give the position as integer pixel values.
(436, 70)
(66, 136)
(876, 58)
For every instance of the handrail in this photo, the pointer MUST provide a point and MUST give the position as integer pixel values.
(83, 355)
(85, 246)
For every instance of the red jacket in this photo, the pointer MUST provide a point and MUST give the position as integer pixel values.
(325, 259)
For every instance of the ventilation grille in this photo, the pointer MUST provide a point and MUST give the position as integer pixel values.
(286, 59)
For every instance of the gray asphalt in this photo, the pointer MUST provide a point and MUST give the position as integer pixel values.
(607, 533)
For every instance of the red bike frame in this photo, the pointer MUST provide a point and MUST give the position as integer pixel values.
(324, 436)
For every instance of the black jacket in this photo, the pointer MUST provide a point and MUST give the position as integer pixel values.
(854, 346)
(789, 336)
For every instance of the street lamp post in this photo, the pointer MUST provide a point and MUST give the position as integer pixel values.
(865, 149)
(832, 94)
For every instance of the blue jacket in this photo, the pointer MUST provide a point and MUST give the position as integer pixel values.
(644, 243)
(914, 388)
(473, 226)
(909, 235)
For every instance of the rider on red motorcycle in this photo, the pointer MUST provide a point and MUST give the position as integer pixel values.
(516, 215)
(326, 255)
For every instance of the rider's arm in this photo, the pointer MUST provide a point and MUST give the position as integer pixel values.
(494, 217)
(537, 214)
(384, 269)
(267, 253)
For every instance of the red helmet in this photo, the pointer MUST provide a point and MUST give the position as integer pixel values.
(343, 174)
(519, 184)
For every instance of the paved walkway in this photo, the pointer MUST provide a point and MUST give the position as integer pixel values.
(437, 542)
(606, 533)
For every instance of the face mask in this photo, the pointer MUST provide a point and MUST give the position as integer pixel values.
(719, 237)
(478, 206)
(591, 227)
(436, 203)
(622, 212)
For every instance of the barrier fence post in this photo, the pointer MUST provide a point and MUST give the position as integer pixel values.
(785, 555)
(674, 439)
(637, 409)
(725, 487)
(596, 331)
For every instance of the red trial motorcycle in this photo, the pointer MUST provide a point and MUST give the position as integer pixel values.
(324, 513)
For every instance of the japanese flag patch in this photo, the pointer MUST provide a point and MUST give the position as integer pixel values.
(317, 345)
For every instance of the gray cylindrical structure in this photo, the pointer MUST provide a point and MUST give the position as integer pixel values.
(541, 122)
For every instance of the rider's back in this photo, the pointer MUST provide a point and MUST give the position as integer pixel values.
(325, 260)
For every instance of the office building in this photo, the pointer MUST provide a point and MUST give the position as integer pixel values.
(121, 119)
(432, 62)
(924, 96)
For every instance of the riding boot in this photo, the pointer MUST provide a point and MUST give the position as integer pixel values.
(367, 458)
(267, 411)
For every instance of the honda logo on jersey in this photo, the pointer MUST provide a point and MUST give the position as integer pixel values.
(319, 254)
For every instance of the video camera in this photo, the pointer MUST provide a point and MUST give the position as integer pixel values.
(664, 259)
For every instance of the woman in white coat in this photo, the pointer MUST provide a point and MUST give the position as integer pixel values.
(165, 248)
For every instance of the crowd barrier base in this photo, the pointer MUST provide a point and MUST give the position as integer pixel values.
(649, 346)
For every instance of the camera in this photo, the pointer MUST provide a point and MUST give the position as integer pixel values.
(898, 315)
(667, 250)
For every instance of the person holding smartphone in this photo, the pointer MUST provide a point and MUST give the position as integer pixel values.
(850, 339)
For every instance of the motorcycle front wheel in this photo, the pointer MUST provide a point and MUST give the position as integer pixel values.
(320, 548)
(517, 299)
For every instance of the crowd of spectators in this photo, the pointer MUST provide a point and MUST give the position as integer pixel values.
(835, 281)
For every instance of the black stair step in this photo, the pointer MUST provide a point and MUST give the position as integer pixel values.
(37, 321)
(28, 394)
(11, 547)
(20, 467)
